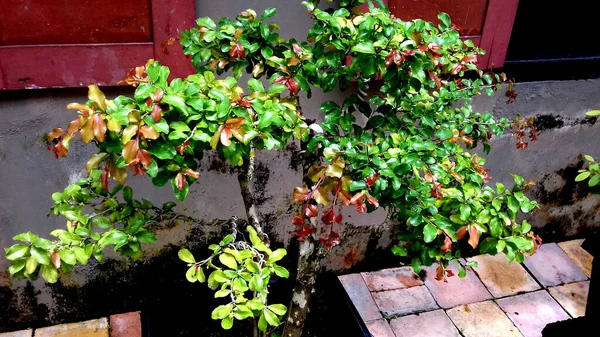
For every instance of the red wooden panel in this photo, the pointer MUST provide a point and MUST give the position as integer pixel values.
(75, 65)
(28, 22)
(468, 15)
(173, 17)
(499, 21)
(69, 65)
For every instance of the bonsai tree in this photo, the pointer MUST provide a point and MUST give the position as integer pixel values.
(400, 140)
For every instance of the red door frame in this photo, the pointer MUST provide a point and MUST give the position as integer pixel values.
(77, 65)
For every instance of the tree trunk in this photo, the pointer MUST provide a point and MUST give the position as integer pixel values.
(308, 266)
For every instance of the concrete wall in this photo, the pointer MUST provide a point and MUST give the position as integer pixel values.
(29, 174)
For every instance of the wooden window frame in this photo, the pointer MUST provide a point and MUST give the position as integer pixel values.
(77, 65)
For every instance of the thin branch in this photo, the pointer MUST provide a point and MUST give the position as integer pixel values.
(245, 175)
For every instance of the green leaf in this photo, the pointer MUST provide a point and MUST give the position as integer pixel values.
(228, 261)
(81, 255)
(593, 113)
(276, 89)
(513, 204)
(67, 256)
(16, 266)
(496, 227)
(271, 318)
(266, 119)
(162, 151)
(255, 85)
(357, 185)
(281, 271)
(462, 272)
(429, 233)
(102, 222)
(364, 48)
(268, 13)
(227, 323)
(399, 250)
(206, 22)
(16, 251)
(416, 265)
(277, 255)
(582, 176)
(445, 18)
(190, 274)
(175, 101)
(262, 323)
(278, 309)
(41, 256)
(146, 237)
(31, 265)
(49, 273)
(594, 181)
(256, 283)
(186, 256)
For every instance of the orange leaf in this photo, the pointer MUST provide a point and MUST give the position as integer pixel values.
(158, 95)
(74, 126)
(235, 123)
(99, 127)
(191, 173)
(156, 113)
(439, 273)
(473, 236)
(104, 179)
(55, 258)
(84, 109)
(300, 193)
(52, 135)
(130, 151)
(447, 245)
(148, 132)
(311, 211)
(461, 232)
(87, 132)
(180, 181)
(144, 157)
(321, 196)
(119, 174)
(97, 96)
(226, 137)
(214, 140)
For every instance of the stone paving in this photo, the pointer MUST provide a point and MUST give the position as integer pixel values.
(497, 298)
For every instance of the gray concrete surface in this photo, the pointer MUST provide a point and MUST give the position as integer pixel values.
(29, 173)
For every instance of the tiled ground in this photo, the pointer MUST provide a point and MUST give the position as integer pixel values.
(498, 298)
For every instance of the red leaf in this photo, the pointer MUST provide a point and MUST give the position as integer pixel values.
(408, 52)
(226, 137)
(180, 181)
(52, 135)
(55, 258)
(447, 245)
(300, 193)
(371, 180)
(311, 211)
(280, 79)
(373, 201)
(60, 150)
(338, 219)
(298, 220)
(144, 157)
(461, 232)
(297, 49)
(156, 113)
(137, 168)
(328, 216)
(158, 95)
(99, 127)
(361, 207)
(237, 51)
(473, 236)
(104, 179)
(191, 173)
(292, 86)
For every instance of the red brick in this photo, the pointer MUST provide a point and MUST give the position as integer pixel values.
(390, 279)
(455, 291)
(126, 325)
(361, 297)
(404, 301)
(531, 312)
(380, 328)
(21, 333)
(427, 324)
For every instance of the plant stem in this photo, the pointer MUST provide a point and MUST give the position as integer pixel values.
(244, 177)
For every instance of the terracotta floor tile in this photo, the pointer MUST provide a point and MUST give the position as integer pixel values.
(404, 301)
(126, 325)
(501, 277)
(390, 279)
(483, 319)
(551, 266)
(531, 312)
(457, 290)
(572, 297)
(580, 256)
(380, 328)
(427, 324)
(21, 333)
(361, 297)
(92, 328)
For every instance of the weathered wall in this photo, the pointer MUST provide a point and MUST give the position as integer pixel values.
(29, 174)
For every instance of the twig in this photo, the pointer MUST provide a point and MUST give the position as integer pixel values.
(244, 177)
